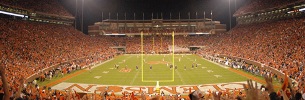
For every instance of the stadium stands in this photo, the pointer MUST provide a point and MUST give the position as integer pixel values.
(257, 5)
(30, 47)
(276, 44)
(27, 48)
(45, 6)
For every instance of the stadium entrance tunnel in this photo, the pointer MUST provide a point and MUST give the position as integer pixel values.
(119, 48)
(194, 48)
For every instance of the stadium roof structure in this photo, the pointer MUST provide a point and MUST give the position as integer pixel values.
(285, 11)
(265, 5)
(48, 11)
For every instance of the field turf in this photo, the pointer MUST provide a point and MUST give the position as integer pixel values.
(127, 74)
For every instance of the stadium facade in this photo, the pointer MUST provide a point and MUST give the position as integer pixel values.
(156, 27)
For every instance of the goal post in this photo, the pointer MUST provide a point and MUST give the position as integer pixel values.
(172, 58)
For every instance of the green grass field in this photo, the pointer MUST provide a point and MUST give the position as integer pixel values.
(205, 73)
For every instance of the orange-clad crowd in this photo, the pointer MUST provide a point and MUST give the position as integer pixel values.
(277, 44)
(27, 48)
(44, 6)
(257, 5)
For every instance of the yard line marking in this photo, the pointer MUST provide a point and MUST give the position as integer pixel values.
(203, 67)
(105, 72)
(146, 57)
(180, 77)
(217, 76)
(210, 71)
(134, 78)
(75, 74)
(97, 77)
(123, 78)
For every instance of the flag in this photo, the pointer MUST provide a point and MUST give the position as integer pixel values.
(285, 84)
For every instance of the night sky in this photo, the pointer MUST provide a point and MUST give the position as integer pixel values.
(93, 9)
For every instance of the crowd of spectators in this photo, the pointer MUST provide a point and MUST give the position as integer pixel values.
(31, 91)
(45, 6)
(162, 44)
(150, 44)
(275, 44)
(278, 44)
(29, 47)
(257, 5)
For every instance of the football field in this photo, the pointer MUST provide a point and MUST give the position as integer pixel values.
(135, 70)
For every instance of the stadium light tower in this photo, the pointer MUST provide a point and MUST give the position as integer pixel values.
(82, 27)
(230, 14)
(75, 16)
